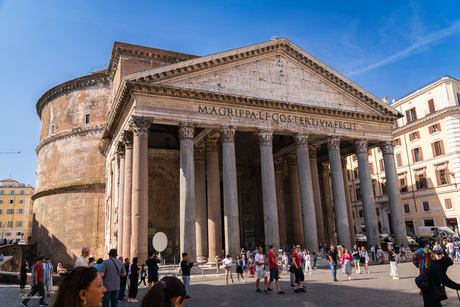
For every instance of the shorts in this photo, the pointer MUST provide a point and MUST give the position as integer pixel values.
(47, 281)
(153, 278)
(128, 282)
(451, 255)
(274, 274)
(261, 274)
(299, 276)
(355, 261)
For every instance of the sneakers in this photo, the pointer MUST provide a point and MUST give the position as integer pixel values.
(335, 279)
(296, 291)
(302, 290)
(188, 298)
(394, 277)
(348, 278)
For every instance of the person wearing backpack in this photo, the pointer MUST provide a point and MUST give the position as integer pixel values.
(438, 280)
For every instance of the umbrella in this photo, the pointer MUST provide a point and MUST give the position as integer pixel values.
(427, 234)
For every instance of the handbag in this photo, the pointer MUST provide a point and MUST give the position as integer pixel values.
(292, 268)
(440, 292)
(362, 260)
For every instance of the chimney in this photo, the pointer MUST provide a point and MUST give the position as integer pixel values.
(393, 100)
(385, 99)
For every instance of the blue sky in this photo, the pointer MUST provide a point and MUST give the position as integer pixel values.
(388, 47)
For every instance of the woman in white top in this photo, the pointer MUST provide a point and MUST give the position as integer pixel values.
(285, 260)
(307, 259)
(365, 255)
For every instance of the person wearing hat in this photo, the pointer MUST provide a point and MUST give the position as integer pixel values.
(186, 266)
(39, 287)
(438, 276)
(111, 271)
(227, 263)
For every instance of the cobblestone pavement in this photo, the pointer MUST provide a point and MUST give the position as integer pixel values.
(376, 288)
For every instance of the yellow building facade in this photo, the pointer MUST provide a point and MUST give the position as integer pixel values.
(427, 156)
(16, 209)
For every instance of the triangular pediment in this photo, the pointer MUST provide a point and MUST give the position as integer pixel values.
(276, 70)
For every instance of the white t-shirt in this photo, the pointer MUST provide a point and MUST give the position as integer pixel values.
(260, 258)
(227, 262)
(81, 261)
(450, 247)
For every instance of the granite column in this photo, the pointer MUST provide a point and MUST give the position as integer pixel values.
(214, 200)
(280, 200)
(296, 206)
(201, 221)
(121, 190)
(127, 195)
(313, 151)
(348, 198)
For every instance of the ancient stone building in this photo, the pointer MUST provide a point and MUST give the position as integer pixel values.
(237, 148)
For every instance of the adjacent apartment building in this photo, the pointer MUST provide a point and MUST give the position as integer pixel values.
(16, 208)
(427, 154)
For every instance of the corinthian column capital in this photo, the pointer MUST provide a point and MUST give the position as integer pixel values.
(361, 146)
(291, 159)
(301, 139)
(127, 139)
(387, 148)
(212, 145)
(313, 151)
(140, 125)
(200, 154)
(279, 163)
(325, 167)
(121, 149)
(186, 131)
(333, 143)
(228, 134)
(266, 137)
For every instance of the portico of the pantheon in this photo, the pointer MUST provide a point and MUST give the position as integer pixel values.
(239, 148)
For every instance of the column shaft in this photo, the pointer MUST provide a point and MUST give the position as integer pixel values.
(296, 206)
(280, 201)
(127, 195)
(338, 192)
(394, 195)
(271, 225)
(201, 221)
(307, 198)
(330, 225)
(187, 230)
(214, 200)
(348, 198)
(313, 150)
(121, 190)
(231, 219)
(139, 213)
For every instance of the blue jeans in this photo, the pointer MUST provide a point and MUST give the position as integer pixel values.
(110, 296)
(186, 280)
(333, 266)
(121, 292)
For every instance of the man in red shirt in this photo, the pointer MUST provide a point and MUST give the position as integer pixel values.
(39, 287)
(274, 272)
(299, 277)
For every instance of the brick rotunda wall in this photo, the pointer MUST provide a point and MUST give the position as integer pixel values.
(69, 210)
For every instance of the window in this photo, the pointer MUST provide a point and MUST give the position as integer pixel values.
(377, 211)
(371, 167)
(348, 174)
(1, 224)
(374, 187)
(22, 192)
(382, 165)
(353, 212)
(411, 115)
(395, 124)
(356, 171)
(442, 176)
(448, 204)
(428, 222)
(414, 136)
(20, 211)
(12, 192)
(21, 201)
(417, 155)
(52, 129)
(358, 192)
(2, 192)
(398, 159)
(1, 201)
(420, 181)
(361, 213)
(458, 99)
(354, 158)
(1, 211)
(426, 206)
(434, 128)
(10, 201)
(378, 149)
(431, 106)
(397, 142)
(18, 223)
(86, 119)
(9, 211)
(370, 153)
(18, 233)
(8, 234)
(384, 188)
(406, 208)
(402, 185)
(9, 224)
(351, 193)
(438, 148)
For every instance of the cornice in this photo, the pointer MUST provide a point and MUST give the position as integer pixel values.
(69, 187)
(69, 86)
(67, 133)
(131, 88)
(419, 122)
(281, 46)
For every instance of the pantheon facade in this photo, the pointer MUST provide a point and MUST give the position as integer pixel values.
(238, 148)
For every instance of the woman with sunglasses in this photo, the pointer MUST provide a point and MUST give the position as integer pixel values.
(81, 287)
(347, 258)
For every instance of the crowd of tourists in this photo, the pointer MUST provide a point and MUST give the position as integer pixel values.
(106, 282)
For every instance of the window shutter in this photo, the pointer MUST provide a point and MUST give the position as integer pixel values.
(372, 168)
(381, 165)
(399, 141)
(431, 105)
(433, 149)
(413, 156)
(430, 129)
(441, 144)
(438, 178)
(447, 176)
(417, 183)
(407, 116)
(410, 137)
(418, 134)
(415, 113)
(425, 184)
(420, 153)
(439, 126)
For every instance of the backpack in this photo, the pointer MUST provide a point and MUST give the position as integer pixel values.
(423, 281)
